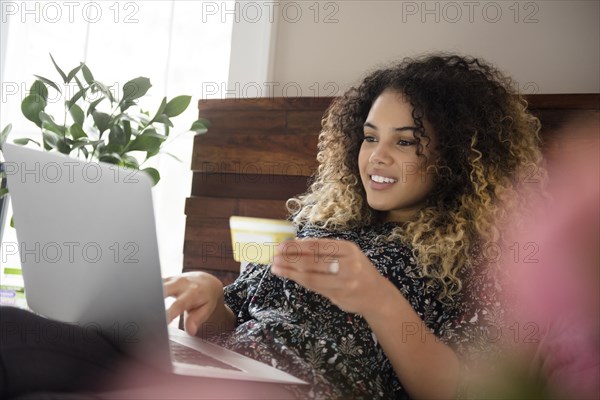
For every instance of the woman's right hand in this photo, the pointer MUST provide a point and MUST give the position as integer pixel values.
(198, 295)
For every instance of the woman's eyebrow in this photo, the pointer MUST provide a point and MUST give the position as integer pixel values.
(401, 129)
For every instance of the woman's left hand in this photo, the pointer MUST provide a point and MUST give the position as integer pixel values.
(336, 269)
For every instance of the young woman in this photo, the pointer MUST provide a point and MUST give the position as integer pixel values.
(388, 291)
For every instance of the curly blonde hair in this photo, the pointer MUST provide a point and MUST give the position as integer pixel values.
(489, 161)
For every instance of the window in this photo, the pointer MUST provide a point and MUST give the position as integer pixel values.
(167, 41)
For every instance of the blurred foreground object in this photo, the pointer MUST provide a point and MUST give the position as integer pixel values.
(554, 280)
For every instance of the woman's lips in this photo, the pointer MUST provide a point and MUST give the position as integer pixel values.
(380, 185)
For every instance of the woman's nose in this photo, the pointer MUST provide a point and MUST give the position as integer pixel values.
(380, 155)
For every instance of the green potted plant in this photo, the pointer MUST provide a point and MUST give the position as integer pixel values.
(98, 126)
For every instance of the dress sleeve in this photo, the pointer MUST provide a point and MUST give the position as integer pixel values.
(477, 326)
(239, 294)
(477, 332)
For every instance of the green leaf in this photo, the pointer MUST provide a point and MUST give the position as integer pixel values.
(39, 88)
(76, 132)
(130, 162)
(31, 106)
(73, 72)
(101, 120)
(81, 143)
(148, 141)
(152, 133)
(154, 175)
(48, 121)
(53, 140)
(49, 83)
(84, 141)
(87, 74)
(4, 134)
(93, 105)
(165, 120)
(79, 85)
(111, 158)
(177, 105)
(76, 97)
(116, 139)
(60, 71)
(3, 192)
(63, 147)
(126, 104)
(77, 114)
(161, 109)
(102, 87)
(135, 88)
(24, 141)
(199, 127)
(127, 130)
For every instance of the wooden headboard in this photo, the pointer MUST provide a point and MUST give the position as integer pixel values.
(260, 152)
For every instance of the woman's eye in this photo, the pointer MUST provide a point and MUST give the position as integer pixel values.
(369, 139)
(406, 142)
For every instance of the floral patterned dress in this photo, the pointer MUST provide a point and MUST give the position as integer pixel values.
(294, 329)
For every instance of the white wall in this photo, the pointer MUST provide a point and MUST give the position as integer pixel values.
(547, 46)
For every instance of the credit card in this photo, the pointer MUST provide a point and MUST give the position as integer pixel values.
(254, 239)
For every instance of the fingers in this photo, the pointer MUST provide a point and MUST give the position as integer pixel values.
(185, 301)
(194, 318)
(189, 300)
(311, 255)
(313, 263)
(336, 269)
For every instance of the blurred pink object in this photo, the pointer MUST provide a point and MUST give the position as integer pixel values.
(556, 266)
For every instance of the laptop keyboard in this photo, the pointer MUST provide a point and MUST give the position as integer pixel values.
(187, 355)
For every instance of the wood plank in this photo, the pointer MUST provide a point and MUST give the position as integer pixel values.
(210, 207)
(272, 187)
(209, 249)
(304, 122)
(192, 262)
(256, 154)
(550, 100)
(245, 121)
(215, 208)
(208, 233)
(564, 101)
(209, 254)
(265, 103)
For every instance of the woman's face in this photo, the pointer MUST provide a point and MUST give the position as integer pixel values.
(394, 177)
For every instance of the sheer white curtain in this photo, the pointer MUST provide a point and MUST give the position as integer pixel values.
(167, 41)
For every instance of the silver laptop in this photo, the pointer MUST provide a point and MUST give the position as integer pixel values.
(89, 255)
